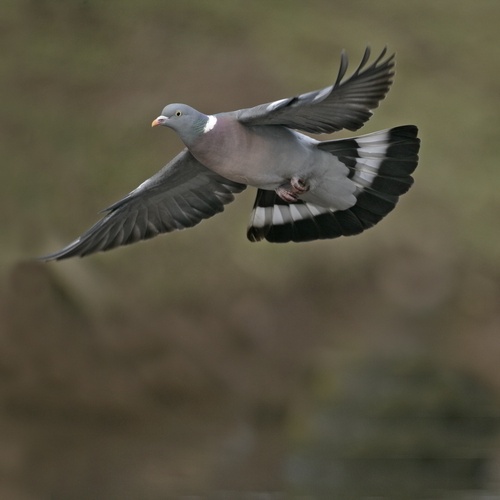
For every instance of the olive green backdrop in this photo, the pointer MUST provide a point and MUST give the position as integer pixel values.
(197, 364)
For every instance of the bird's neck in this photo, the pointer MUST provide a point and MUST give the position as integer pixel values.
(201, 127)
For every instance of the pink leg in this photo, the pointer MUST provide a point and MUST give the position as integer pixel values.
(290, 191)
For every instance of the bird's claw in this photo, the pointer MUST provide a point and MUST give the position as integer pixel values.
(290, 191)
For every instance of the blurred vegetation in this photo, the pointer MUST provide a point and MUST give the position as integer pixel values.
(201, 364)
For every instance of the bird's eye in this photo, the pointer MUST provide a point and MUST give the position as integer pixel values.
(178, 113)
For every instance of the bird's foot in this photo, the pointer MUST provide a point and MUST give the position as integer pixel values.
(290, 191)
(299, 185)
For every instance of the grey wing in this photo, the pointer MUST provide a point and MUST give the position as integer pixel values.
(179, 196)
(345, 104)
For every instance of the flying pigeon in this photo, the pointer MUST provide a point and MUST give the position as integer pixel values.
(306, 189)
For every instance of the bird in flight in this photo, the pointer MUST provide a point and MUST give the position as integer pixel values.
(306, 189)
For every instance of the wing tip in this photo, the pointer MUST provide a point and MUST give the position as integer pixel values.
(66, 252)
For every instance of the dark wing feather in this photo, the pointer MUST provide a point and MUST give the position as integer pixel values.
(179, 196)
(345, 104)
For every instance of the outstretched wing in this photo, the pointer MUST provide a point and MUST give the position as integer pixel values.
(180, 195)
(345, 104)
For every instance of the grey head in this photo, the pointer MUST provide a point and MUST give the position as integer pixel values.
(185, 120)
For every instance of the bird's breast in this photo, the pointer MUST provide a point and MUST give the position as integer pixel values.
(263, 156)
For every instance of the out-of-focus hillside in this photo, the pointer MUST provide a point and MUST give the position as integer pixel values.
(198, 363)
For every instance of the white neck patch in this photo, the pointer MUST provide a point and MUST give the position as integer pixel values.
(210, 124)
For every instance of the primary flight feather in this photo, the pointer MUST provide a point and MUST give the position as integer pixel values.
(306, 189)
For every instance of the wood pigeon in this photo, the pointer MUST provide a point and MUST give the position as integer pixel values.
(306, 189)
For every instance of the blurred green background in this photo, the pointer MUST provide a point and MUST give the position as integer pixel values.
(199, 365)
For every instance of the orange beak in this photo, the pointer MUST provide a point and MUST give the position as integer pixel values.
(155, 123)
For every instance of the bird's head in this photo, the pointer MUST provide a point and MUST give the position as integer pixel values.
(186, 121)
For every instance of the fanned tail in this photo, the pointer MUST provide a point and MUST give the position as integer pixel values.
(380, 165)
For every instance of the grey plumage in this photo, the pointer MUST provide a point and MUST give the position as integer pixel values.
(346, 104)
(179, 196)
(307, 189)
